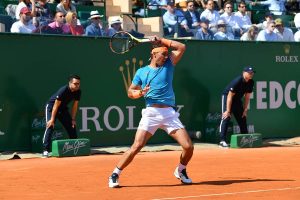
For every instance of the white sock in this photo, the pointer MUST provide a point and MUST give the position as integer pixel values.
(181, 167)
(117, 171)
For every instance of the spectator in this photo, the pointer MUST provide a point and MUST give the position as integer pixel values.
(11, 10)
(182, 4)
(242, 15)
(26, 3)
(222, 33)
(268, 33)
(297, 20)
(152, 5)
(201, 4)
(276, 7)
(95, 28)
(211, 15)
(58, 26)
(234, 24)
(175, 21)
(65, 6)
(204, 33)
(297, 36)
(74, 29)
(192, 16)
(297, 24)
(116, 25)
(43, 12)
(24, 25)
(268, 18)
(283, 33)
(251, 34)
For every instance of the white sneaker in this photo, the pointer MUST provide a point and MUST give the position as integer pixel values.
(45, 154)
(113, 181)
(223, 144)
(182, 176)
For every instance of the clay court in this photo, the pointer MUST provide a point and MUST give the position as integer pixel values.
(257, 173)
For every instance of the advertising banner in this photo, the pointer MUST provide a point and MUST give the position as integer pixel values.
(33, 67)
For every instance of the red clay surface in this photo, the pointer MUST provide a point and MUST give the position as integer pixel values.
(227, 174)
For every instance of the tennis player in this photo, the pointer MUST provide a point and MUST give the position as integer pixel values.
(154, 83)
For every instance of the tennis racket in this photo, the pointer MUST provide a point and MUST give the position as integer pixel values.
(122, 41)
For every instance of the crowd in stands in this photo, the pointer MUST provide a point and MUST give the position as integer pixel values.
(199, 19)
(211, 23)
(34, 16)
(216, 20)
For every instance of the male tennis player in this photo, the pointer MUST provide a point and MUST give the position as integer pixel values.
(154, 83)
(57, 108)
(241, 86)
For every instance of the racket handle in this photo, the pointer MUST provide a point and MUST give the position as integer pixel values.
(145, 40)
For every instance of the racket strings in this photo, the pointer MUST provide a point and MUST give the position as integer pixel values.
(121, 43)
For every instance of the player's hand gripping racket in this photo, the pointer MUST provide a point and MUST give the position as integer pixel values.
(122, 41)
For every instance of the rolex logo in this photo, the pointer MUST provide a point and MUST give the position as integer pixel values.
(287, 58)
(286, 48)
(128, 71)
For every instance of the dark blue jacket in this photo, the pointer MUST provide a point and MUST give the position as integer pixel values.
(189, 18)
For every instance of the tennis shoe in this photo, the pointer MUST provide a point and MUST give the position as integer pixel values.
(182, 176)
(223, 144)
(45, 154)
(113, 181)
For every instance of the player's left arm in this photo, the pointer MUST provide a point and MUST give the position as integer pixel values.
(177, 51)
(246, 104)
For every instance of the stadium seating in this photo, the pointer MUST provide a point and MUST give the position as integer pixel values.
(2, 10)
(6, 2)
(7, 21)
(288, 20)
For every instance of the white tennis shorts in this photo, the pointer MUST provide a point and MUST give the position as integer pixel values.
(164, 118)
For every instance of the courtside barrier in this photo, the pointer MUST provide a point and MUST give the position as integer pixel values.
(246, 140)
(107, 117)
(71, 147)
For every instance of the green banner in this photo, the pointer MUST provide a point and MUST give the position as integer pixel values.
(33, 67)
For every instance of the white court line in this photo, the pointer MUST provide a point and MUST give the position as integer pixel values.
(229, 193)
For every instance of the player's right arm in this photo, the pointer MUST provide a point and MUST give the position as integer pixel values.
(135, 91)
(53, 114)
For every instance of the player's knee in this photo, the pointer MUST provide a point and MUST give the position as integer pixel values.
(135, 148)
(189, 147)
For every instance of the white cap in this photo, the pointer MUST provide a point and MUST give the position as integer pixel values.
(95, 14)
(116, 21)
